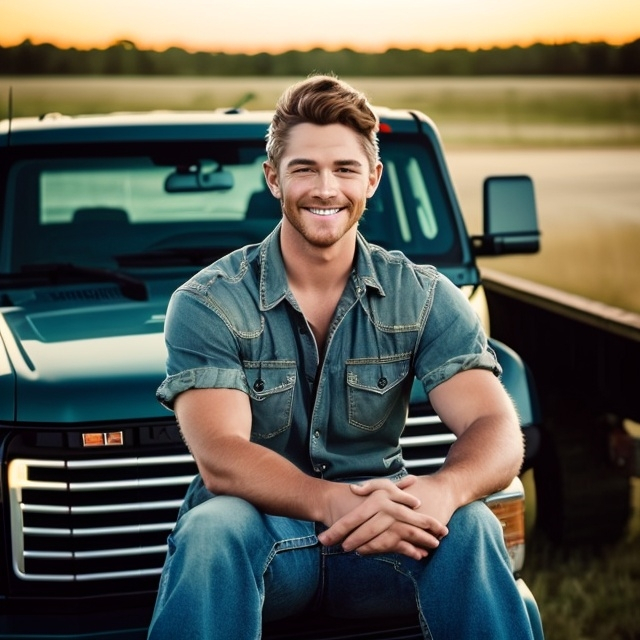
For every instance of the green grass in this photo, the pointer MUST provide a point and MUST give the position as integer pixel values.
(505, 110)
(586, 593)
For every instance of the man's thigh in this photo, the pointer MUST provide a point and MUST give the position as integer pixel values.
(293, 576)
(356, 586)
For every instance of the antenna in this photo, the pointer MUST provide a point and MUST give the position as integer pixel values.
(10, 115)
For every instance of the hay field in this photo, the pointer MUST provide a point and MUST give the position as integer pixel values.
(588, 202)
(537, 111)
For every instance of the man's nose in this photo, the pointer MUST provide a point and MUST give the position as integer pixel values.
(326, 184)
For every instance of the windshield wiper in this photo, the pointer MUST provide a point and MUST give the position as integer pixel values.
(174, 257)
(131, 287)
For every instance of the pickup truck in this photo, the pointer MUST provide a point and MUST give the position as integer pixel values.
(102, 218)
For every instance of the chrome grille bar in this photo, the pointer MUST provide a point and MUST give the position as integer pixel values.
(98, 531)
(427, 441)
(127, 484)
(424, 463)
(106, 508)
(107, 553)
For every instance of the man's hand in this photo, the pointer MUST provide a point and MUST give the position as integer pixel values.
(387, 519)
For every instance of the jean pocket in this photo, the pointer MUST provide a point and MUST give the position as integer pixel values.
(271, 389)
(374, 386)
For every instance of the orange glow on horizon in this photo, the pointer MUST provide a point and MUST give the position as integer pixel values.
(143, 45)
(279, 26)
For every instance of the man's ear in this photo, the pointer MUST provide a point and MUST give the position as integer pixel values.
(374, 179)
(271, 177)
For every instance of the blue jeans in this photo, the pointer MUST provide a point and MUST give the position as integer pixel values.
(229, 566)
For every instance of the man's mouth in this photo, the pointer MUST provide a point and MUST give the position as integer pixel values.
(324, 212)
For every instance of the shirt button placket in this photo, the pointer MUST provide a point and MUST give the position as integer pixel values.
(316, 451)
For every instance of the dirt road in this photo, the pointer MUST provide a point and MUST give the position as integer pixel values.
(589, 212)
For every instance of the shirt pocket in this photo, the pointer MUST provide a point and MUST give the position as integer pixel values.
(271, 389)
(374, 386)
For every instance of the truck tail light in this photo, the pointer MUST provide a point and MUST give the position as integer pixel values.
(508, 506)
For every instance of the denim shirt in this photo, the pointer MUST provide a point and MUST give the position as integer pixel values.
(340, 415)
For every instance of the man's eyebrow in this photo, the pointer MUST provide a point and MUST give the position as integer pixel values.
(309, 163)
(300, 161)
(348, 163)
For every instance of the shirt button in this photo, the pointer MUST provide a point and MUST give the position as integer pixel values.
(316, 434)
(382, 383)
(258, 385)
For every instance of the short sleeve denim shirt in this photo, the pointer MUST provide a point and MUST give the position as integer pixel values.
(237, 325)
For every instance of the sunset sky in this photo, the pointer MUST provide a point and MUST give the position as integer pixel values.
(251, 26)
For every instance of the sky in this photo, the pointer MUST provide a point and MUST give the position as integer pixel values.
(251, 26)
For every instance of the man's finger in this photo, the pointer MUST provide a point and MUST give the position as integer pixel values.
(395, 492)
(383, 534)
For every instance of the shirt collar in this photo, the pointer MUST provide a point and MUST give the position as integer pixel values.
(273, 278)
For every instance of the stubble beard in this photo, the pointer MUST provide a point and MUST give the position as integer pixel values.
(320, 238)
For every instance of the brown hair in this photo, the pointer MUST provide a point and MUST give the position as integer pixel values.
(322, 100)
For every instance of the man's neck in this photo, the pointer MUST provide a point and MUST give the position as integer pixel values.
(317, 277)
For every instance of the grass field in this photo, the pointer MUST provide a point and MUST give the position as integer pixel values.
(586, 593)
(470, 111)
(588, 202)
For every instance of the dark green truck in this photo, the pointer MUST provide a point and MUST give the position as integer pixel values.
(102, 217)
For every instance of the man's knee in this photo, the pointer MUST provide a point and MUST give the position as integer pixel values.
(219, 526)
(473, 524)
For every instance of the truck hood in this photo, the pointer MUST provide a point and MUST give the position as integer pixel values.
(84, 364)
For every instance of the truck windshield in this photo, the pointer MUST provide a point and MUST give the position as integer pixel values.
(103, 211)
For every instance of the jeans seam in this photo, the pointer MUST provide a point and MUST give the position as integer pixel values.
(397, 565)
(288, 545)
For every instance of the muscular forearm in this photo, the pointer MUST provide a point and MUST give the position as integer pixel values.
(484, 459)
(489, 448)
(216, 424)
(231, 465)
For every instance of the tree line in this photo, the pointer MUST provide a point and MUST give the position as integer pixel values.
(124, 58)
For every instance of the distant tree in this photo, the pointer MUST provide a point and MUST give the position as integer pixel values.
(629, 58)
(123, 57)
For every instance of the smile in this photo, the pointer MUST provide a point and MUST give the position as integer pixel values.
(324, 212)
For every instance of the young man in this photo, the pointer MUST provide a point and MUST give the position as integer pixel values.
(302, 501)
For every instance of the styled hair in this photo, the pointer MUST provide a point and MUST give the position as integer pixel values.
(322, 100)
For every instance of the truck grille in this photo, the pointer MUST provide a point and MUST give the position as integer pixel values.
(425, 444)
(97, 521)
(94, 520)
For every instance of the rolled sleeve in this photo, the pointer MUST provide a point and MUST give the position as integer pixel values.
(202, 351)
(453, 339)
(203, 378)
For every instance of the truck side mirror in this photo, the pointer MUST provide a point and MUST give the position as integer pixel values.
(510, 219)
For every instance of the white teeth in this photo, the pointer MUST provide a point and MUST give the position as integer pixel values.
(324, 212)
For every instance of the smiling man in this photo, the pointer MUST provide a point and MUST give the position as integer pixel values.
(302, 501)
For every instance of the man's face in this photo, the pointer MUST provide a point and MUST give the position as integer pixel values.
(323, 181)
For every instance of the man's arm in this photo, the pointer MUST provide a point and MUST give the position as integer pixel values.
(489, 449)
(485, 458)
(216, 424)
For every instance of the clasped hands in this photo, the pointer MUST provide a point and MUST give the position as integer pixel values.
(380, 516)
